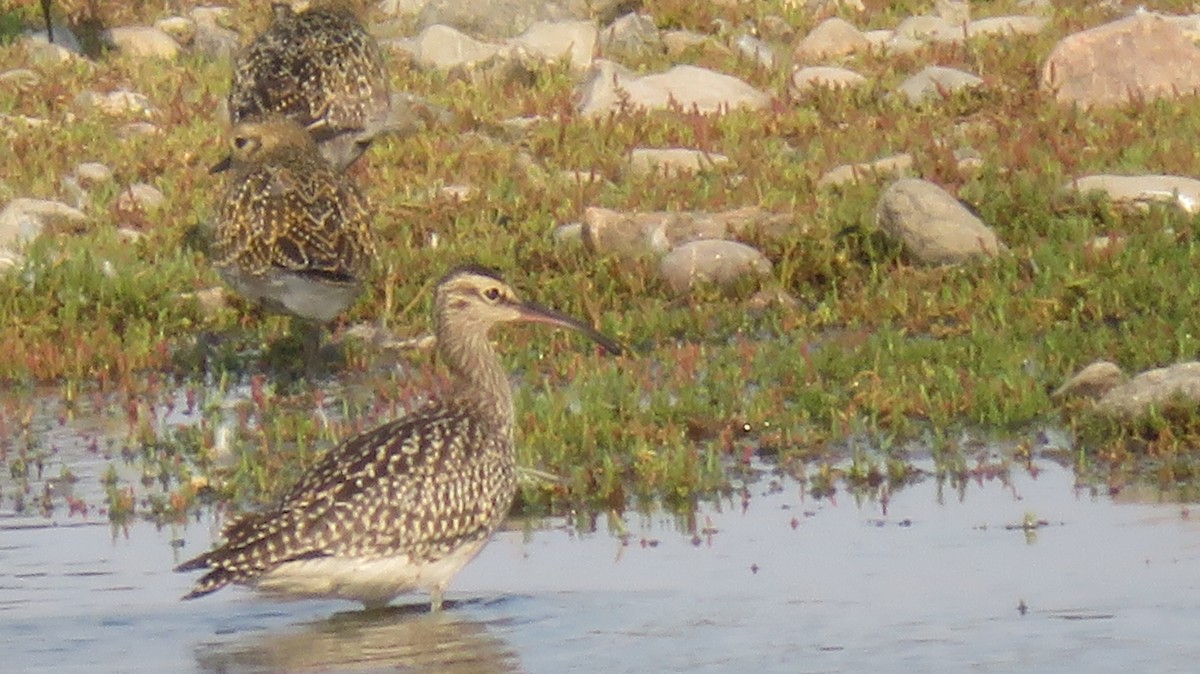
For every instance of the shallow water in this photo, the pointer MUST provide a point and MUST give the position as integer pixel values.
(786, 584)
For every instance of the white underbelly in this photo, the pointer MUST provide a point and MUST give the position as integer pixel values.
(304, 296)
(372, 580)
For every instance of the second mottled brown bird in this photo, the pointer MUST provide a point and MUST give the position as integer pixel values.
(291, 231)
(320, 67)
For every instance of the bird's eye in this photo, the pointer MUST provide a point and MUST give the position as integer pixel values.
(492, 294)
(240, 142)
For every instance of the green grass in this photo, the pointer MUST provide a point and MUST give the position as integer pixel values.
(877, 350)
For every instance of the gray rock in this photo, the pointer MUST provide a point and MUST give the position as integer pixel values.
(577, 178)
(1189, 24)
(119, 102)
(1142, 57)
(1141, 191)
(631, 37)
(410, 114)
(775, 28)
(93, 173)
(676, 42)
(929, 29)
(499, 19)
(22, 220)
(898, 164)
(138, 130)
(878, 39)
(574, 40)
(1007, 25)
(516, 128)
(64, 37)
(402, 7)
(21, 79)
(14, 125)
(830, 77)
(968, 161)
(443, 47)
(774, 297)
(933, 226)
(819, 7)
(956, 12)
(42, 53)
(143, 41)
(935, 81)
(215, 42)
(570, 232)
(756, 50)
(1093, 381)
(1042, 7)
(74, 192)
(10, 259)
(457, 193)
(672, 161)
(130, 235)
(832, 37)
(182, 28)
(1156, 389)
(891, 43)
(77, 186)
(141, 197)
(609, 86)
(711, 261)
(630, 234)
(210, 15)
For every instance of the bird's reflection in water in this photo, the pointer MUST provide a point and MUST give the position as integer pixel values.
(392, 639)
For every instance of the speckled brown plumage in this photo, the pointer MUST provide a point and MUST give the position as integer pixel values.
(291, 231)
(321, 68)
(406, 505)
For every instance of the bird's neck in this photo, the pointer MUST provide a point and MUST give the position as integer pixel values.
(478, 374)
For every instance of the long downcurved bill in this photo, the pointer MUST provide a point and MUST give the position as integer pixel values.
(536, 313)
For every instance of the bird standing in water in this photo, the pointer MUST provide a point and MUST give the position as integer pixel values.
(404, 506)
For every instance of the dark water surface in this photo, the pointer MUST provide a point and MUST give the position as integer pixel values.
(787, 584)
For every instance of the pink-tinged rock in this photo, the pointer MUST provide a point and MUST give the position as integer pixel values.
(892, 165)
(711, 261)
(655, 232)
(1159, 389)
(1093, 381)
(1140, 191)
(832, 37)
(672, 161)
(144, 41)
(1144, 56)
(610, 86)
(831, 77)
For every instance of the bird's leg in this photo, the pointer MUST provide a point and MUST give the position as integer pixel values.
(310, 344)
(49, 23)
(374, 604)
(435, 598)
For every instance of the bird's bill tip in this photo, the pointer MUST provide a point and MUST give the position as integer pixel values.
(223, 165)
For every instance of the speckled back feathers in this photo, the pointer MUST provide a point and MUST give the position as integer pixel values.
(319, 67)
(420, 487)
(407, 504)
(286, 209)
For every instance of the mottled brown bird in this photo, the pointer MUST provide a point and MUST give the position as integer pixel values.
(320, 67)
(405, 506)
(291, 231)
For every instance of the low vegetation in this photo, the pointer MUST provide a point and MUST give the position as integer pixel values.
(876, 352)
